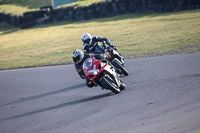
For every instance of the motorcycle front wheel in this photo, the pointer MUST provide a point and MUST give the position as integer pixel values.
(107, 83)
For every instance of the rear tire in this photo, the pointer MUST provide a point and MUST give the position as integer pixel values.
(117, 64)
(108, 84)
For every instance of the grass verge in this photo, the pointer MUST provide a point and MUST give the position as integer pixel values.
(83, 3)
(18, 7)
(134, 35)
(26, 3)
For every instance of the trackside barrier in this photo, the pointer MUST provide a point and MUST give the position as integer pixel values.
(98, 10)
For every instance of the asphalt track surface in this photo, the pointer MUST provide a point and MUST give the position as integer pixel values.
(162, 96)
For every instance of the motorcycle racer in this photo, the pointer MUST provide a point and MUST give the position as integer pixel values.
(79, 58)
(90, 44)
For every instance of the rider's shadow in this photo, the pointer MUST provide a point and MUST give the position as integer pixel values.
(60, 106)
(45, 94)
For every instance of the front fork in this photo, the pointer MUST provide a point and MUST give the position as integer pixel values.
(112, 73)
(119, 57)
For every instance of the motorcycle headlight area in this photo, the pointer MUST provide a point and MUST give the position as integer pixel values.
(94, 70)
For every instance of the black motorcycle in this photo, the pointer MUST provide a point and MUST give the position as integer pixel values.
(112, 55)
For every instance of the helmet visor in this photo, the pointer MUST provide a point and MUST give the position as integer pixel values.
(87, 41)
(76, 59)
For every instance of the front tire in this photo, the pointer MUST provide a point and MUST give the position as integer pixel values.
(122, 86)
(108, 84)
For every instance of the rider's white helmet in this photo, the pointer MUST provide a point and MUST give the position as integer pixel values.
(86, 38)
(77, 56)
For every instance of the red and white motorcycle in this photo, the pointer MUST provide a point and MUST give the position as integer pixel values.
(102, 74)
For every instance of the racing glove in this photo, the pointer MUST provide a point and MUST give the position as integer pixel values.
(115, 48)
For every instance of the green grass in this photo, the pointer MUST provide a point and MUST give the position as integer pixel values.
(132, 34)
(18, 7)
(14, 9)
(26, 3)
(83, 3)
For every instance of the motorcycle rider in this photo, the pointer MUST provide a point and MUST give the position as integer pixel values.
(79, 58)
(90, 44)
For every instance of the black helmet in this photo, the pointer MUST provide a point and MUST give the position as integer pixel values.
(77, 56)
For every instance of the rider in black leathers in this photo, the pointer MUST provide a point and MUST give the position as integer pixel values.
(90, 44)
(79, 58)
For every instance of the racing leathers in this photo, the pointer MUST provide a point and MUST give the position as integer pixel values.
(95, 47)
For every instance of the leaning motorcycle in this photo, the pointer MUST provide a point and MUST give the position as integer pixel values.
(115, 58)
(102, 74)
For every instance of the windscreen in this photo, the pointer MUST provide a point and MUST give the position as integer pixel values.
(87, 63)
